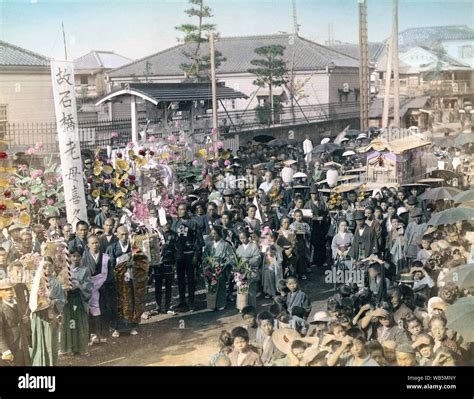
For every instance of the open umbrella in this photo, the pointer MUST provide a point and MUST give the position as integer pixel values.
(461, 276)
(348, 153)
(463, 139)
(328, 147)
(460, 317)
(452, 216)
(444, 174)
(439, 193)
(464, 196)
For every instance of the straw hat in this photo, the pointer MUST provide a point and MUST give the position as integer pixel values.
(289, 162)
(283, 337)
(5, 285)
(320, 317)
(440, 245)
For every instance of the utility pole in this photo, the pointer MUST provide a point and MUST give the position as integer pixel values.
(396, 76)
(64, 41)
(292, 72)
(363, 66)
(388, 81)
(215, 122)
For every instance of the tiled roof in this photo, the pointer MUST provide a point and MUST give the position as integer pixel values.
(11, 55)
(353, 50)
(376, 107)
(239, 51)
(100, 59)
(427, 36)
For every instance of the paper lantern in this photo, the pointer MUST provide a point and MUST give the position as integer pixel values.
(287, 174)
(331, 177)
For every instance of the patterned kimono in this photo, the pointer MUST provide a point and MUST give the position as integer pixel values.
(44, 326)
(75, 325)
(223, 253)
(130, 280)
(251, 254)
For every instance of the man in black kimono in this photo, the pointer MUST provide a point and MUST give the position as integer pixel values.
(364, 243)
(191, 243)
(80, 240)
(319, 226)
(13, 334)
(108, 238)
(269, 218)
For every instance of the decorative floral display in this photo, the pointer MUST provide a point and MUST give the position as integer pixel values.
(211, 271)
(243, 275)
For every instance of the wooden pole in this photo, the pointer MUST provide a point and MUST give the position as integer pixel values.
(363, 66)
(64, 41)
(215, 122)
(388, 79)
(396, 76)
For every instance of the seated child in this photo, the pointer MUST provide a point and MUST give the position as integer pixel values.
(268, 351)
(243, 355)
(221, 358)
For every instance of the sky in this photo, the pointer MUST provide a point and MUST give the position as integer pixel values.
(138, 28)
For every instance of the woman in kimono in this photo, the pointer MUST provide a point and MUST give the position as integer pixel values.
(272, 271)
(286, 240)
(250, 253)
(223, 254)
(341, 243)
(45, 318)
(75, 326)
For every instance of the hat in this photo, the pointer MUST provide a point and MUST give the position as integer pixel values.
(320, 317)
(440, 245)
(299, 175)
(14, 227)
(300, 186)
(228, 192)
(5, 285)
(265, 200)
(313, 190)
(310, 353)
(401, 210)
(359, 215)
(326, 140)
(328, 338)
(405, 348)
(54, 214)
(412, 200)
(289, 162)
(283, 337)
(406, 278)
(361, 136)
(415, 212)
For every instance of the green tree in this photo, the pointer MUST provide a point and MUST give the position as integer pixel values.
(271, 70)
(198, 68)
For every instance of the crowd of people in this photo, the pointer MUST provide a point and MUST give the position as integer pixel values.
(264, 208)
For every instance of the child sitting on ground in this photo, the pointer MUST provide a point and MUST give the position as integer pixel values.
(243, 354)
(221, 358)
(268, 351)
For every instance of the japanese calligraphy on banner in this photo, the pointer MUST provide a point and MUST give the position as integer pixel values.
(62, 73)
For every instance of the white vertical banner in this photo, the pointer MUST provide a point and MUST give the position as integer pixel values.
(62, 75)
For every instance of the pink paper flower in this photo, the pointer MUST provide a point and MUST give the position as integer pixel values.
(204, 172)
(24, 193)
(114, 134)
(195, 163)
(33, 200)
(171, 138)
(107, 181)
(215, 165)
(59, 178)
(227, 162)
(30, 151)
(152, 139)
(130, 145)
(23, 168)
(37, 173)
(211, 150)
(50, 201)
(219, 144)
(39, 146)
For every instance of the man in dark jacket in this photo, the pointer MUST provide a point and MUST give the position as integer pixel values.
(364, 243)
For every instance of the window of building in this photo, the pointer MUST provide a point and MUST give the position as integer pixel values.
(467, 51)
(84, 79)
(3, 120)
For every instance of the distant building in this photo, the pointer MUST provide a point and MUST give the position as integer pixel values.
(26, 91)
(322, 75)
(90, 70)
